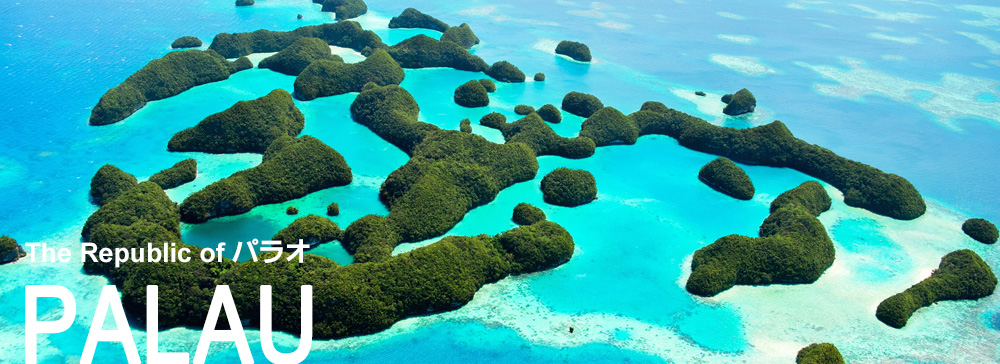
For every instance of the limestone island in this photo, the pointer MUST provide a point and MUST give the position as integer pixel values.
(296, 57)
(488, 84)
(527, 214)
(539, 77)
(523, 109)
(740, 103)
(291, 168)
(725, 176)
(421, 51)
(575, 50)
(244, 2)
(609, 126)
(538, 136)
(183, 172)
(448, 174)
(186, 42)
(435, 278)
(344, 9)
(550, 113)
(109, 182)
(346, 34)
(504, 71)
(823, 353)
(170, 75)
(581, 104)
(10, 250)
(461, 35)
(313, 230)
(793, 247)
(962, 275)
(413, 18)
(981, 230)
(773, 145)
(246, 127)
(472, 94)
(569, 187)
(333, 209)
(329, 78)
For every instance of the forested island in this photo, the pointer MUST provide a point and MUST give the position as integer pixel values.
(725, 176)
(291, 168)
(439, 277)
(449, 173)
(183, 172)
(793, 247)
(170, 75)
(575, 50)
(246, 127)
(11, 251)
(962, 275)
(569, 187)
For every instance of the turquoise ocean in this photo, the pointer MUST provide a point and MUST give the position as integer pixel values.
(910, 87)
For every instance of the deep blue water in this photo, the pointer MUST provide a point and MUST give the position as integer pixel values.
(59, 57)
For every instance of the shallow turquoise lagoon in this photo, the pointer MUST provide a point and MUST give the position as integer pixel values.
(907, 87)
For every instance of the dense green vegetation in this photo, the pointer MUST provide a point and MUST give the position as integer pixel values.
(313, 230)
(333, 209)
(980, 229)
(773, 145)
(109, 182)
(296, 57)
(292, 210)
(140, 215)
(793, 247)
(472, 94)
(413, 18)
(347, 34)
(170, 75)
(488, 84)
(824, 353)
(421, 51)
(461, 35)
(569, 187)
(741, 102)
(725, 176)
(328, 78)
(537, 135)
(503, 71)
(523, 109)
(448, 174)
(291, 168)
(10, 250)
(186, 41)
(609, 126)
(391, 112)
(539, 77)
(575, 50)
(550, 113)
(363, 298)
(439, 277)
(183, 172)
(143, 202)
(581, 104)
(962, 275)
(246, 127)
(244, 2)
(465, 126)
(345, 9)
(527, 214)
(493, 120)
